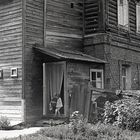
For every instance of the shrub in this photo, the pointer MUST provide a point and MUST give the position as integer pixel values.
(124, 113)
(94, 132)
(78, 123)
(4, 123)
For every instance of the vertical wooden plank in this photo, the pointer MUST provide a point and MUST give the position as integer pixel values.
(88, 100)
(23, 65)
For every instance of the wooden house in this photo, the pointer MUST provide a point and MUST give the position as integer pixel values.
(51, 47)
(41, 56)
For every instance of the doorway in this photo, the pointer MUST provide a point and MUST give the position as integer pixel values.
(53, 88)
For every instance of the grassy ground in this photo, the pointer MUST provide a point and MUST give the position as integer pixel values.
(87, 132)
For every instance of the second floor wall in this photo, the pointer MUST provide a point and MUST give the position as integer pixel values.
(64, 23)
(114, 16)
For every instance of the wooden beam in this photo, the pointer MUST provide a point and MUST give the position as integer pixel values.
(45, 14)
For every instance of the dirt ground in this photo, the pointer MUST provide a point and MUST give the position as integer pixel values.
(16, 133)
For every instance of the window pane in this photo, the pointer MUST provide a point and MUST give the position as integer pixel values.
(99, 74)
(123, 83)
(99, 85)
(94, 84)
(123, 12)
(138, 17)
(125, 7)
(123, 71)
(121, 2)
(120, 13)
(93, 75)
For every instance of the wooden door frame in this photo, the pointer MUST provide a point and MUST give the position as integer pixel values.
(65, 88)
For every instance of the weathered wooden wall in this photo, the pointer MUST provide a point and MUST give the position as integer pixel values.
(94, 16)
(64, 24)
(78, 76)
(11, 57)
(33, 67)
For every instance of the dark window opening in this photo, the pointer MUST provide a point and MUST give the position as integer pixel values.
(72, 5)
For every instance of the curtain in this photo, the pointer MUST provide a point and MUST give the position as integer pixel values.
(138, 18)
(120, 13)
(54, 79)
(125, 15)
(123, 12)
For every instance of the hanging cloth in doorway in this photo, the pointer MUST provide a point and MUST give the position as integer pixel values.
(54, 78)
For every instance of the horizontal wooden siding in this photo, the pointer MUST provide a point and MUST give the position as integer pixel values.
(11, 57)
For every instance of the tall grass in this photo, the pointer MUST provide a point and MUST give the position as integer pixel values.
(93, 132)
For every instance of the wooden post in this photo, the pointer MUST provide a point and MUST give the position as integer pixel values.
(44, 90)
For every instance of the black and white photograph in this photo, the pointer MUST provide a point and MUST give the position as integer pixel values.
(69, 69)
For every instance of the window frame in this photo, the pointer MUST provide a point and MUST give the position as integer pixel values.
(137, 18)
(102, 76)
(1, 73)
(127, 77)
(124, 77)
(16, 72)
(122, 23)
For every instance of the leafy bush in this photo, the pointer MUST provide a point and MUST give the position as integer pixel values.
(77, 123)
(123, 113)
(4, 123)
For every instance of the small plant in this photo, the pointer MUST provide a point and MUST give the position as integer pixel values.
(4, 123)
(77, 123)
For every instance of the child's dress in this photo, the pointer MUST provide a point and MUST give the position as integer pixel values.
(59, 103)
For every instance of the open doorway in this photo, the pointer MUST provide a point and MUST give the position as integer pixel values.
(53, 89)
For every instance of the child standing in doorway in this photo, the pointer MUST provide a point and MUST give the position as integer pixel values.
(59, 105)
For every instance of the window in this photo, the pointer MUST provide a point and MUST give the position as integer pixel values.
(123, 13)
(96, 78)
(138, 17)
(14, 72)
(72, 5)
(126, 77)
(1, 73)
